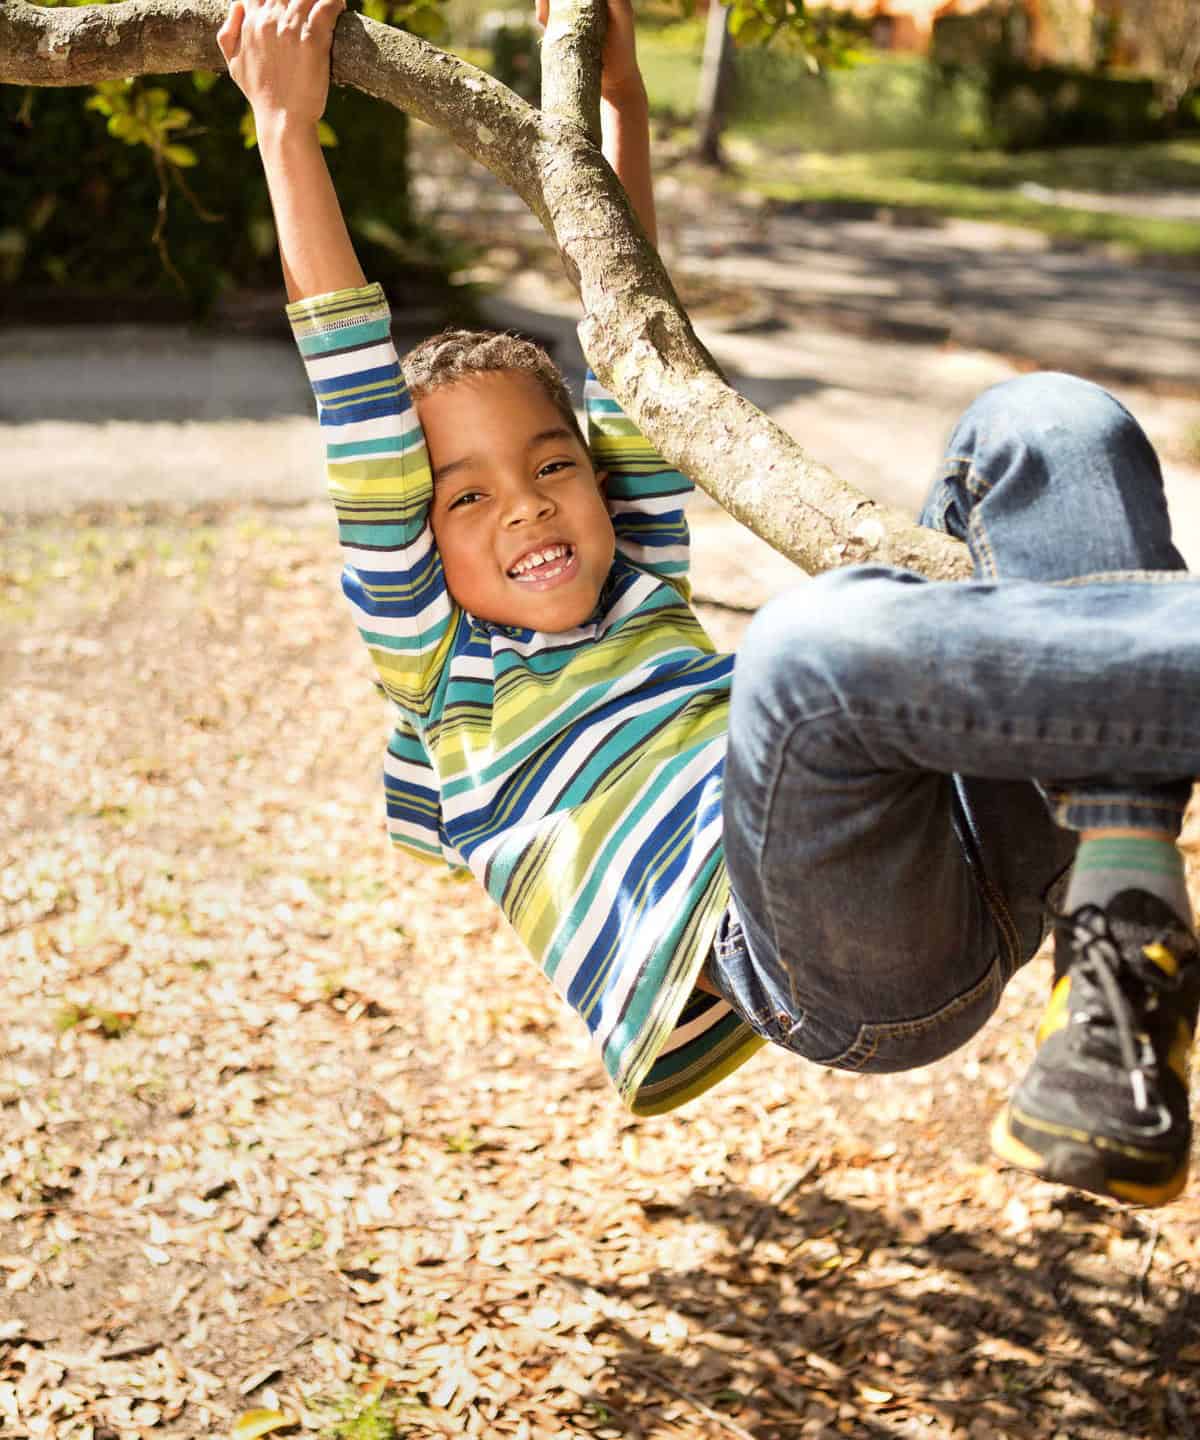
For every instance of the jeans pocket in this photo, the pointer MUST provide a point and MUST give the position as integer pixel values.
(780, 1027)
(760, 994)
(883, 1047)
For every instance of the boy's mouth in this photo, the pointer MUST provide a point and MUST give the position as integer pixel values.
(544, 566)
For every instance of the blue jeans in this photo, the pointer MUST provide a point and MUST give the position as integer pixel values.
(909, 760)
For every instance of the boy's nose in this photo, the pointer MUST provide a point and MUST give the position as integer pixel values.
(528, 504)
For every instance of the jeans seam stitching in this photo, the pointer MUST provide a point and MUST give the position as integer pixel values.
(1117, 577)
(1110, 798)
(985, 558)
(1186, 740)
(871, 1033)
(978, 485)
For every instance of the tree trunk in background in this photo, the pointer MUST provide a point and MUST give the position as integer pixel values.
(716, 85)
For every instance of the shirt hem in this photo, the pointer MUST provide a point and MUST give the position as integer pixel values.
(665, 1017)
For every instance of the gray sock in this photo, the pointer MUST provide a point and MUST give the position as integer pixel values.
(1106, 866)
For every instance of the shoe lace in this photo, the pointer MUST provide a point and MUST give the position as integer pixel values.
(1131, 984)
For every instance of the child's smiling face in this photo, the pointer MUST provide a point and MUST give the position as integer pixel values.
(518, 514)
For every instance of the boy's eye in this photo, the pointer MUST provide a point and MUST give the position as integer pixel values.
(466, 498)
(554, 465)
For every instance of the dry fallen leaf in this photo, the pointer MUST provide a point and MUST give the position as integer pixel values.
(253, 1423)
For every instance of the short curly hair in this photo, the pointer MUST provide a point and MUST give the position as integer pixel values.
(457, 354)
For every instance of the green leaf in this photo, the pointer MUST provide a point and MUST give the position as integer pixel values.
(249, 130)
(425, 21)
(127, 128)
(262, 237)
(204, 80)
(748, 29)
(326, 134)
(181, 155)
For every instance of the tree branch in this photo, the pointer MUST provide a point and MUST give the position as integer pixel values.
(635, 333)
(571, 50)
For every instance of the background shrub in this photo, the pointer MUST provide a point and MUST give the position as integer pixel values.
(80, 206)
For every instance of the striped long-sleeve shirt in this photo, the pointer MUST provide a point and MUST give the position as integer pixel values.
(576, 774)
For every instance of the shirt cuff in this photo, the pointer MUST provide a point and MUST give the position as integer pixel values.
(338, 306)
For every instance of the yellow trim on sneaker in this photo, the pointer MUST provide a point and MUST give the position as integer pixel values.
(1084, 1137)
(1056, 1015)
(1151, 1194)
(1012, 1151)
(1006, 1145)
(1162, 957)
(1179, 1055)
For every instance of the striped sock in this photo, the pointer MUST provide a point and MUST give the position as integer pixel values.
(1107, 866)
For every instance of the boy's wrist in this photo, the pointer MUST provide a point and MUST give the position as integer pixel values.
(278, 129)
(626, 94)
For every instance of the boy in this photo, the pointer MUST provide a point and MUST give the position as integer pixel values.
(867, 871)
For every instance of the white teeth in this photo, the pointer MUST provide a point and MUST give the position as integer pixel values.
(538, 557)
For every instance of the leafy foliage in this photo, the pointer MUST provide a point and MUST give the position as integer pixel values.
(172, 208)
(425, 18)
(142, 115)
(84, 189)
(824, 36)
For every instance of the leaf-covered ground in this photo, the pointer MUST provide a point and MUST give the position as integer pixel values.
(289, 1125)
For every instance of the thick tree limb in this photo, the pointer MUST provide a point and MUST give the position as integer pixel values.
(571, 64)
(634, 333)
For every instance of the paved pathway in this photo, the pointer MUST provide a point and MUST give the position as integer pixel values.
(976, 284)
(985, 286)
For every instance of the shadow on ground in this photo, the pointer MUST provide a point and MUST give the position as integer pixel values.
(821, 1311)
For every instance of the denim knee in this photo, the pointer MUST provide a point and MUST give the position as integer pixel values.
(1048, 477)
(1032, 408)
(810, 652)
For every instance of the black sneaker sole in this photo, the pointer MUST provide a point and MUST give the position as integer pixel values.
(1072, 1157)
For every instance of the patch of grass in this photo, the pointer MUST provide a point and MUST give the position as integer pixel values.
(465, 1142)
(877, 102)
(1106, 169)
(670, 65)
(369, 1421)
(370, 1415)
(882, 133)
(908, 179)
(40, 557)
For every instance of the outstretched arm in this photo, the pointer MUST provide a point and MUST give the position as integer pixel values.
(625, 115)
(278, 54)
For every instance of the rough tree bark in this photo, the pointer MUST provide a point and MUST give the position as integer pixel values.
(634, 333)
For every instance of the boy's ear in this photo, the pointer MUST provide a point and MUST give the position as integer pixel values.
(602, 480)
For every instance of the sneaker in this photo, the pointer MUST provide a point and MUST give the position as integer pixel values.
(1104, 1106)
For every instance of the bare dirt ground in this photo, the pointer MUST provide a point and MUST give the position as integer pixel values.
(290, 1130)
